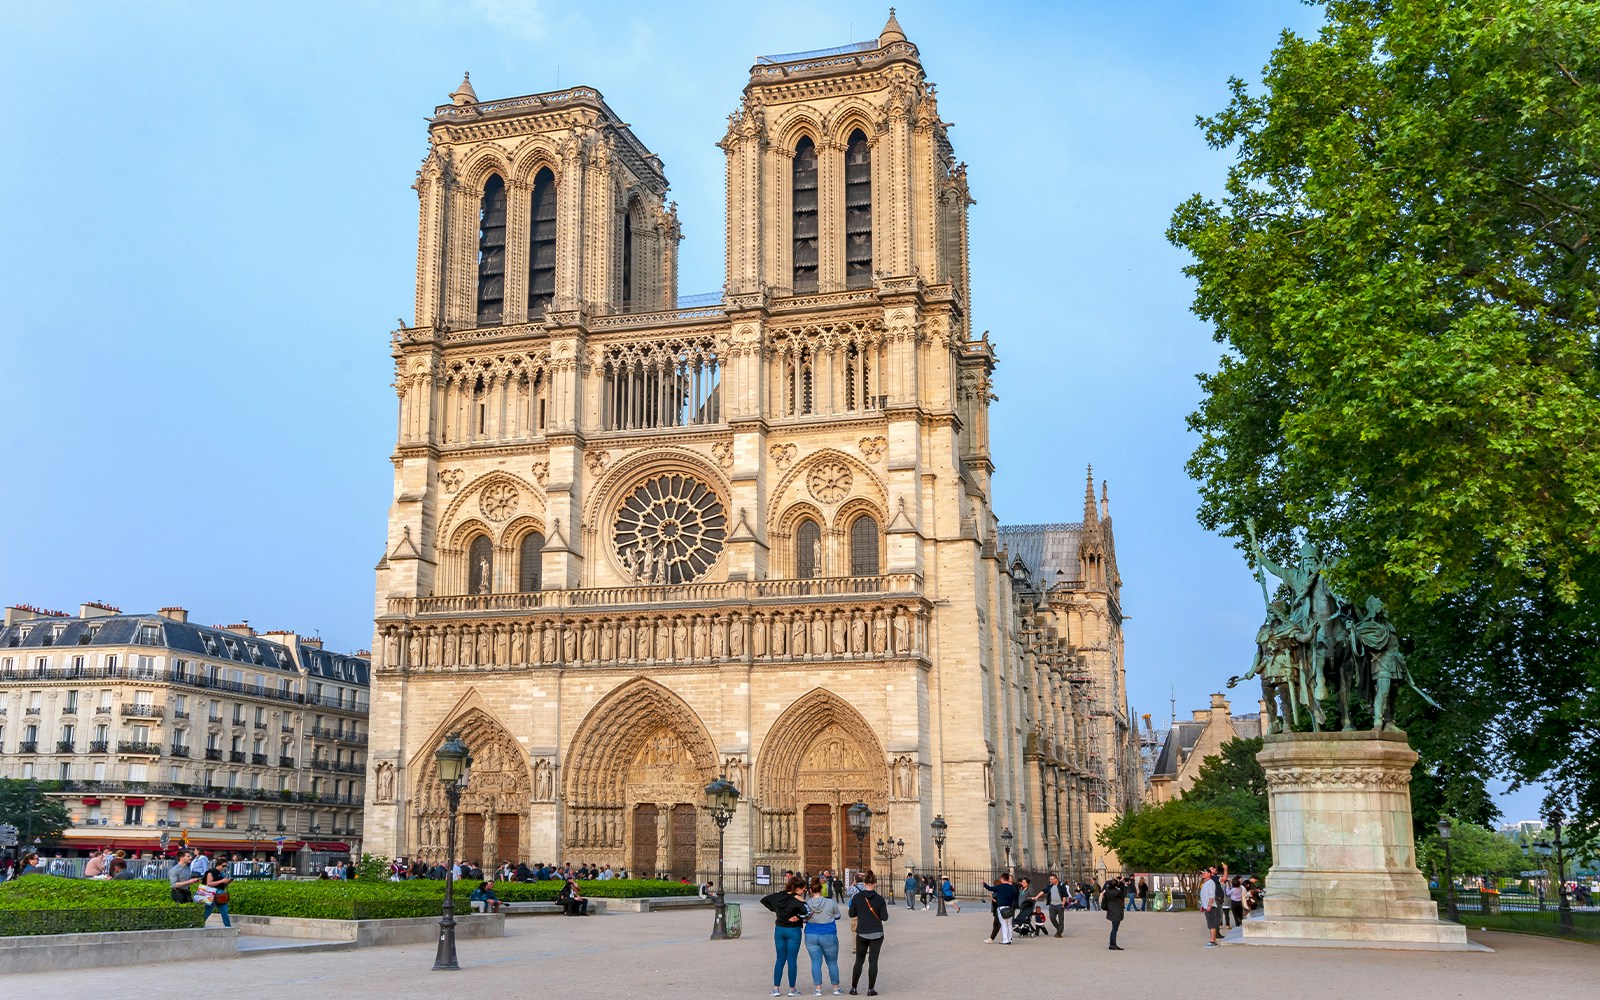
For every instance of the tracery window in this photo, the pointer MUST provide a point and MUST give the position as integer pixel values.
(480, 566)
(805, 216)
(864, 546)
(808, 550)
(528, 568)
(670, 530)
(858, 212)
(675, 383)
(542, 244)
(492, 252)
(627, 261)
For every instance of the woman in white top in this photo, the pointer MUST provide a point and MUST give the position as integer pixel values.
(1236, 900)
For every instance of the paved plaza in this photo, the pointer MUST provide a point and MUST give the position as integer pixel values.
(667, 955)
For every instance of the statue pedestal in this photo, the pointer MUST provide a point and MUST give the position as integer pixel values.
(1345, 871)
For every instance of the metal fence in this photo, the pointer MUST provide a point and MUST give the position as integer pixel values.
(154, 868)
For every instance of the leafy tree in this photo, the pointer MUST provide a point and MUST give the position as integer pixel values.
(1402, 269)
(1233, 770)
(25, 806)
(1182, 837)
(1474, 850)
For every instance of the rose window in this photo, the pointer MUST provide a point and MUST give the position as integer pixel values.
(830, 482)
(670, 530)
(498, 501)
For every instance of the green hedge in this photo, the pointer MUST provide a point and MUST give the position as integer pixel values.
(42, 904)
(54, 903)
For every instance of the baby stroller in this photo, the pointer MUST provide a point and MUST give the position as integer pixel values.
(1029, 919)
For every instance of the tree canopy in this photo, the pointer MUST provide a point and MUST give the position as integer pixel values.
(1183, 836)
(25, 806)
(1402, 269)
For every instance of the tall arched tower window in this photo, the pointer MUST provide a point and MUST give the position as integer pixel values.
(542, 244)
(805, 216)
(528, 562)
(480, 566)
(864, 546)
(858, 212)
(492, 252)
(627, 261)
(808, 550)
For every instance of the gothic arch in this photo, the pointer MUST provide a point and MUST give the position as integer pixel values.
(531, 157)
(795, 124)
(483, 162)
(528, 495)
(850, 115)
(500, 786)
(782, 536)
(792, 736)
(865, 482)
(635, 773)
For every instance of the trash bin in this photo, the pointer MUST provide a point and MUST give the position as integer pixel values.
(733, 919)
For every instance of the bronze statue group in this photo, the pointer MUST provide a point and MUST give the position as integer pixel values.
(1315, 643)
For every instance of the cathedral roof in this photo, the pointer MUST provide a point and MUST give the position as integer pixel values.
(1045, 549)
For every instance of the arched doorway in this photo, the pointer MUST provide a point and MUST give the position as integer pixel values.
(491, 823)
(636, 775)
(819, 758)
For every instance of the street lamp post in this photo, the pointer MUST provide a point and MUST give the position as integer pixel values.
(721, 798)
(939, 827)
(861, 825)
(1449, 876)
(888, 850)
(454, 761)
(1563, 905)
(1005, 838)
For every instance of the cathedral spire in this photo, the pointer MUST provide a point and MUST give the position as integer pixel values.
(464, 94)
(891, 31)
(1105, 501)
(1090, 510)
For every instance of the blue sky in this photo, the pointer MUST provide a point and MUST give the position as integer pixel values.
(208, 232)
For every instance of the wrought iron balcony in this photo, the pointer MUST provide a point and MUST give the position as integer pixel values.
(213, 753)
(143, 711)
(70, 710)
(64, 746)
(28, 746)
(286, 762)
(179, 750)
(30, 711)
(236, 756)
(180, 715)
(99, 746)
(258, 758)
(135, 746)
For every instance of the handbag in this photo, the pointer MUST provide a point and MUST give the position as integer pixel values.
(205, 894)
(221, 897)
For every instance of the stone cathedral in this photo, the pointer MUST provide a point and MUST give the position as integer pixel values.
(636, 545)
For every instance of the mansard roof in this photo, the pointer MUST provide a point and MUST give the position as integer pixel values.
(179, 637)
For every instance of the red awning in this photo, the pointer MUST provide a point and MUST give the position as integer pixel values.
(133, 801)
(235, 806)
(179, 803)
(212, 805)
(325, 845)
(90, 800)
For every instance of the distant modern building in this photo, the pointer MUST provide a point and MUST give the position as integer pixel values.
(1189, 743)
(146, 724)
(1527, 827)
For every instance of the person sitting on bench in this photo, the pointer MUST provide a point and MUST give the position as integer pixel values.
(572, 900)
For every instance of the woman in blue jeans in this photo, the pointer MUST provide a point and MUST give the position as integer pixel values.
(218, 880)
(789, 907)
(822, 937)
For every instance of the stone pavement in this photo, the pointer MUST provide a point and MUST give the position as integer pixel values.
(626, 955)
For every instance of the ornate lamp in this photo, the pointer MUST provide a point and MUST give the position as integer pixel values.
(1005, 839)
(454, 761)
(860, 825)
(721, 799)
(939, 827)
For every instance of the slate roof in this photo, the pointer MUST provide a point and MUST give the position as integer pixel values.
(67, 634)
(1045, 549)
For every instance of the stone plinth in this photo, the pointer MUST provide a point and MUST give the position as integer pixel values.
(1345, 865)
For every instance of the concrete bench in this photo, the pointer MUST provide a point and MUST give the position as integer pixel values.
(650, 904)
(596, 907)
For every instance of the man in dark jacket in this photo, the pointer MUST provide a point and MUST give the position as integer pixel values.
(1004, 906)
(1112, 898)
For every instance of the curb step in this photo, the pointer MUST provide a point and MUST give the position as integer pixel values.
(252, 944)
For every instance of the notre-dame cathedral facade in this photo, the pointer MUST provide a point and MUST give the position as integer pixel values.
(636, 546)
